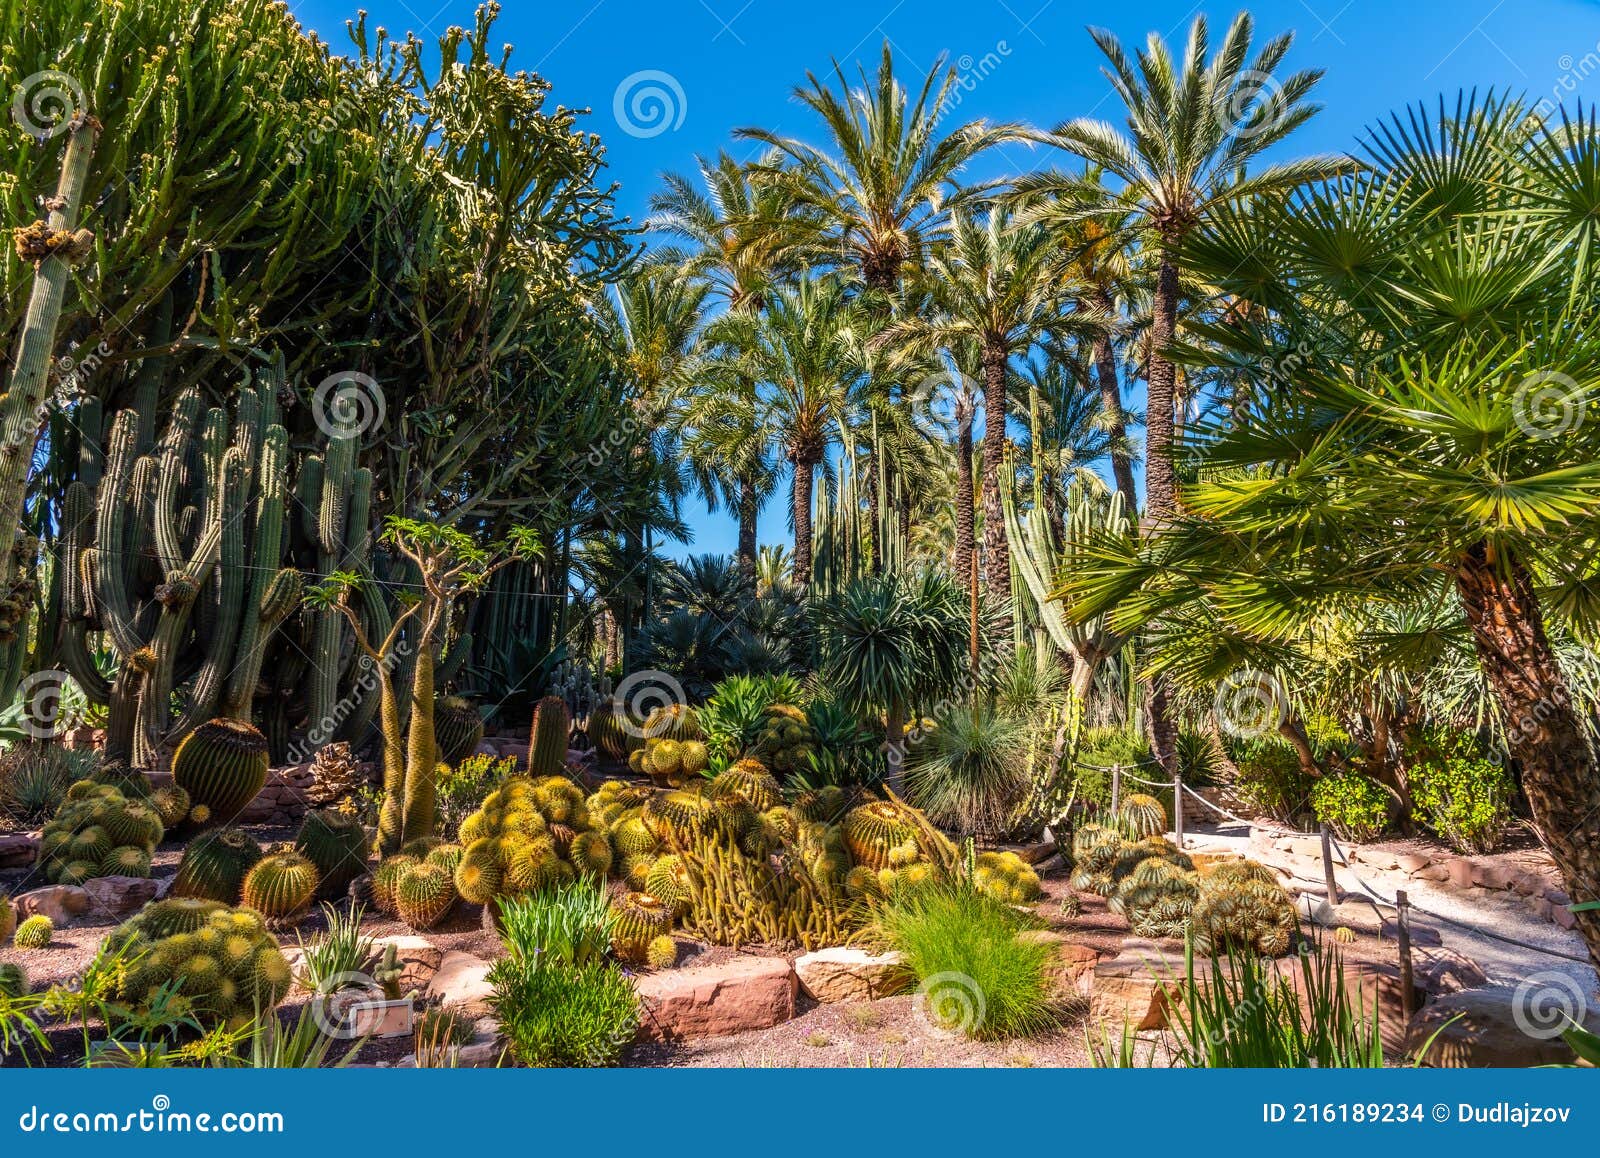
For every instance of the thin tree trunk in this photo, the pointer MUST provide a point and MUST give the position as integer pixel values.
(966, 544)
(1544, 733)
(1160, 483)
(802, 521)
(1105, 364)
(749, 508)
(1292, 730)
(997, 552)
(874, 509)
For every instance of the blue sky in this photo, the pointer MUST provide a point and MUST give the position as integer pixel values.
(733, 63)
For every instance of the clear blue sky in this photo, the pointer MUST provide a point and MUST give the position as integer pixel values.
(735, 63)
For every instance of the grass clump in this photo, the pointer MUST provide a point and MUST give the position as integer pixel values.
(977, 975)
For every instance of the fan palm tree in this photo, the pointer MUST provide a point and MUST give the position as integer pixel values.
(1193, 127)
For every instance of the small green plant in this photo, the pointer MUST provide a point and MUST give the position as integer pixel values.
(34, 933)
(564, 1015)
(1354, 806)
(335, 959)
(1270, 779)
(977, 973)
(573, 925)
(1459, 791)
(302, 1046)
(463, 786)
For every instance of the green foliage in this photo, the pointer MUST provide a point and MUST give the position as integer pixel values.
(1459, 791)
(969, 772)
(99, 832)
(13, 981)
(569, 926)
(1102, 748)
(564, 1015)
(980, 976)
(1270, 779)
(463, 786)
(338, 955)
(34, 933)
(1354, 806)
(34, 778)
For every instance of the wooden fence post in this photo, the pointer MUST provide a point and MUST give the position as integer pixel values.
(1116, 788)
(1402, 908)
(1177, 807)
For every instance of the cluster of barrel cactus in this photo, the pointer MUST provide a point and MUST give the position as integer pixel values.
(1243, 908)
(674, 750)
(219, 964)
(99, 832)
(529, 833)
(417, 884)
(786, 740)
(1005, 876)
(215, 864)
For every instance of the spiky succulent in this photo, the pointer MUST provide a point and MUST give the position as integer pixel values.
(631, 836)
(673, 722)
(172, 804)
(34, 933)
(661, 952)
(826, 805)
(222, 968)
(750, 780)
(1143, 815)
(425, 895)
(590, 852)
(1250, 916)
(547, 742)
(281, 886)
(335, 842)
(608, 733)
(386, 878)
(222, 765)
(668, 881)
(665, 757)
(693, 757)
(457, 728)
(676, 815)
(168, 918)
(640, 918)
(97, 832)
(1005, 876)
(873, 831)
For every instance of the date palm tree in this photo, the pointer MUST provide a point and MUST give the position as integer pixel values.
(1193, 126)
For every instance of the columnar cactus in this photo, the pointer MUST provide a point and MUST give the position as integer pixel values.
(547, 742)
(458, 728)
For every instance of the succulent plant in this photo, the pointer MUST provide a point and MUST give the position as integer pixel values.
(222, 963)
(168, 918)
(335, 842)
(547, 743)
(457, 728)
(751, 780)
(826, 805)
(636, 870)
(668, 881)
(281, 886)
(1005, 876)
(675, 815)
(873, 831)
(661, 952)
(1143, 815)
(1250, 915)
(608, 733)
(172, 804)
(34, 933)
(222, 765)
(631, 836)
(665, 757)
(8, 918)
(386, 878)
(672, 722)
(13, 979)
(96, 832)
(1238, 872)
(126, 861)
(590, 852)
(640, 918)
(425, 895)
(786, 739)
(693, 756)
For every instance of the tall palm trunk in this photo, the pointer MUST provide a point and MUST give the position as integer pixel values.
(1160, 483)
(966, 544)
(1105, 369)
(803, 471)
(749, 507)
(1543, 732)
(997, 552)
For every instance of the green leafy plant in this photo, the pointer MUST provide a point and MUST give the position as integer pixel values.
(1271, 779)
(969, 771)
(339, 956)
(1354, 806)
(1460, 792)
(565, 926)
(564, 1015)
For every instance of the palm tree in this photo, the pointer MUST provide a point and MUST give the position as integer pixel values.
(998, 295)
(740, 236)
(1193, 127)
(805, 354)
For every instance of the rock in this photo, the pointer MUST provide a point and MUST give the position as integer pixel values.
(419, 959)
(18, 850)
(844, 974)
(61, 903)
(1435, 872)
(1489, 874)
(1034, 853)
(1137, 988)
(462, 982)
(1441, 970)
(1360, 915)
(1563, 916)
(1459, 872)
(711, 1000)
(119, 896)
(1411, 862)
(1378, 858)
(1077, 961)
(1480, 1027)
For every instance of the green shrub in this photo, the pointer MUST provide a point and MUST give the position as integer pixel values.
(1354, 806)
(1460, 792)
(34, 778)
(970, 772)
(564, 1015)
(564, 926)
(1270, 779)
(975, 974)
(462, 789)
(1099, 749)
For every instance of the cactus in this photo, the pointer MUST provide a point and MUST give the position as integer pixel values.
(751, 780)
(872, 831)
(827, 805)
(631, 836)
(664, 758)
(668, 881)
(1004, 876)
(786, 740)
(386, 879)
(13, 979)
(172, 804)
(8, 918)
(96, 832)
(608, 733)
(425, 895)
(676, 816)
(672, 722)
(640, 918)
(34, 933)
(390, 973)
(336, 843)
(661, 952)
(1251, 916)
(215, 864)
(590, 852)
(281, 886)
(222, 765)
(222, 962)
(547, 742)
(161, 919)
(458, 728)
(1143, 815)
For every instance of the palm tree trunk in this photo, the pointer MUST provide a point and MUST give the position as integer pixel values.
(874, 508)
(801, 501)
(966, 544)
(749, 508)
(1105, 367)
(1160, 483)
(1544, 733)
(997, 552)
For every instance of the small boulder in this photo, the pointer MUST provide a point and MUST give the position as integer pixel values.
(18, 850)
(713, 1000)
(1138, 987)
(462, 983)
(845, 974)
(1076, 961)
(61, 903)
(119, 896)
(1484, 1027)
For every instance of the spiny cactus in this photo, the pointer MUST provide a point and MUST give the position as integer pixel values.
(590, 852)
(873, 831)
(668, 881)
(457, 728)
(97, 832)
(631, 836)
(336, 843)
(827, 805)
(214, 865)
(661, 952)
(1143, 815)
(693, 756)
(547, 742)
(8, 918)
(751, 780)
(663, 759)
(1006, 877)
(1250, 915)
(786, 740)
(386, 879)
(281, 886)
(673, 722)
(34, 933)
(425, 895)
(13, 979)
(607, 732)
(172, 804)
(640, 918)
(675, 815)
(222, 765)
(223, 969)
(170, 917)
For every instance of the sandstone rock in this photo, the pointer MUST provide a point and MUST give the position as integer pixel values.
(711, 1000)
(419, 959)
(844, 974)
(119, 896)
(1077, 961)
(1440, 970)
(1492, 875)
(1436, 872)
(1479, 1027)
(18, 850)
(1411, 862)
(1563, 916)
(1459, 872)
(61, 903)
(1034, 853)
(1137, 987)
(462, 983)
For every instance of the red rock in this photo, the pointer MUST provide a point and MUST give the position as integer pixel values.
(18, 850)
(119, 896)
(1412, 862)
(61, 903)
(1485, 1027)
(713, 1000)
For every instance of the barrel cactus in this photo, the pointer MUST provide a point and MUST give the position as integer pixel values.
(34, 933)
(99, 832)
(547, 742)
(1005, 876)
(1251, 916)
(214, 865)
(221, 963)
(171, 803)
(640, 919)
(386, 879)
(751, 780)
(786, 740)
(425, 895)
(222, 765)
(667, 879)
(676, 815)
(874, 831)
(457, 728)
(661, 952)
(608, 732)
(281, 886)
(1143, 815)
(175, 915)
(335, 842)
